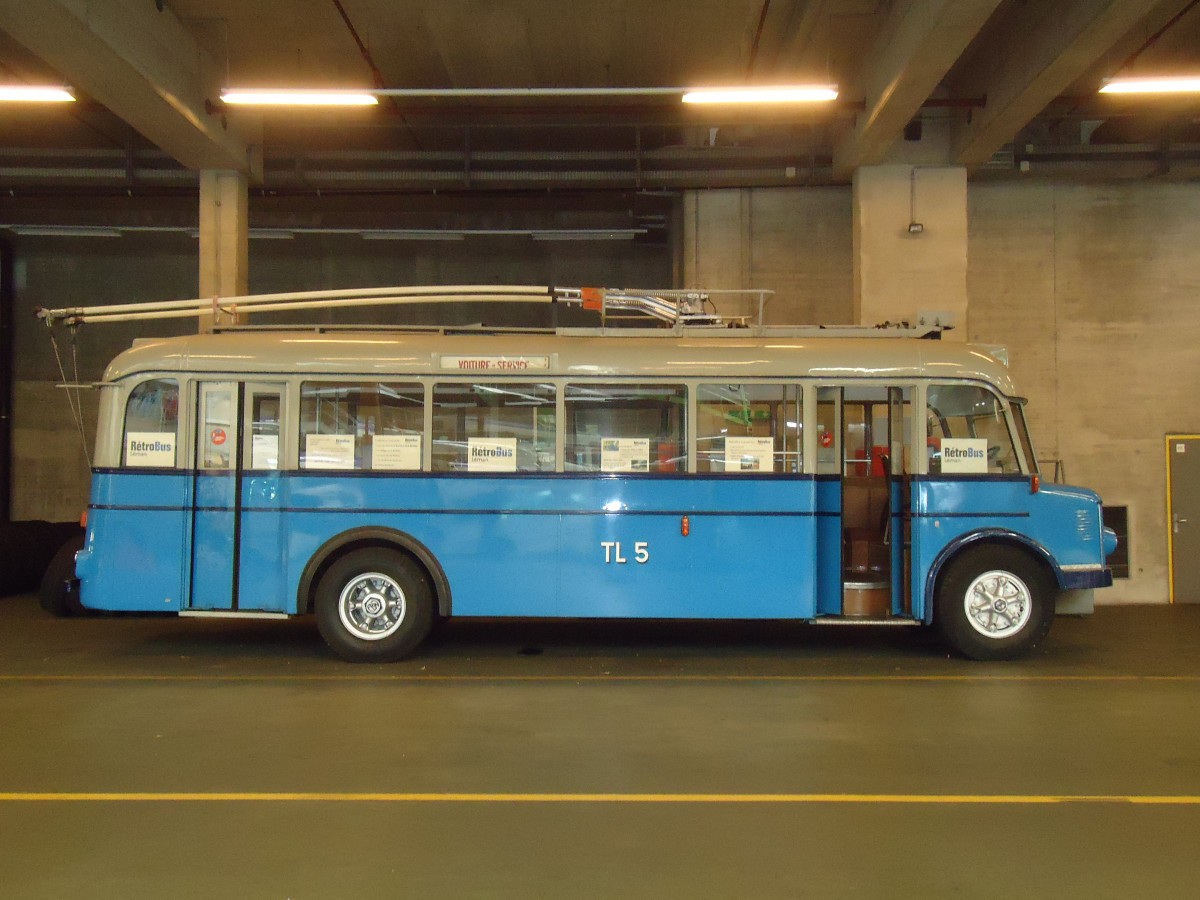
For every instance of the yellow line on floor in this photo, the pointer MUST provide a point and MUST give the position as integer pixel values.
(419, 679)
(352, 797)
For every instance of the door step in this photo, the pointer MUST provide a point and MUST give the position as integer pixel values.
(231, 614)
(893, 621)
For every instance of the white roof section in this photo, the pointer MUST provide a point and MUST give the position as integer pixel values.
(394, 354)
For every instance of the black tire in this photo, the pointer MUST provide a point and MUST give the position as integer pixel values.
(55, 598)
(994, 602)
(374, 605)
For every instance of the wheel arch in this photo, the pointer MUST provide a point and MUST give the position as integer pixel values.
(371, 536)
(995, 537)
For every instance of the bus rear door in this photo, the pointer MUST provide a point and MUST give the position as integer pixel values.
(237, 540)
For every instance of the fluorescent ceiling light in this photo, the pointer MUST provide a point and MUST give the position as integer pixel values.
(246, 97)
(800, 93)
(27, 93)
(66, 231)
(412, 234)
(1183, 85)
(605, 234)
(474, 93)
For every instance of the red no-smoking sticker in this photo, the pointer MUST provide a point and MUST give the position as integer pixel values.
(218, 436)
(826, 438)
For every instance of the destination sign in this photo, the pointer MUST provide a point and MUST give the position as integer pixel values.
(495, 363)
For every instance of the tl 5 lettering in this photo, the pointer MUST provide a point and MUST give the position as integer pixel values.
(614, 554)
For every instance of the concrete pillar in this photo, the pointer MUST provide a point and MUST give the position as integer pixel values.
(224, 237)
(910, 244)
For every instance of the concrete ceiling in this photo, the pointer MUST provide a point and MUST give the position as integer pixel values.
(1004, 87)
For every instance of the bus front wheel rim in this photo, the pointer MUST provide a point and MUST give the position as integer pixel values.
(372, 606)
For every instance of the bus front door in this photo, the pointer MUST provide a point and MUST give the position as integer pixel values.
(864, 437)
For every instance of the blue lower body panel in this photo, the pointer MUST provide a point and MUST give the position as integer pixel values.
(509, 546)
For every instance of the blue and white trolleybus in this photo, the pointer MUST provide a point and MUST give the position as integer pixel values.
(381, 478)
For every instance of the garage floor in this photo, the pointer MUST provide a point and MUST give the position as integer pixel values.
(159, 757)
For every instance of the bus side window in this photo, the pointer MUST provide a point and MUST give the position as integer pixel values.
(374, 425)
(500, 427)
(745, 428)
(151, 425)
(618, 427)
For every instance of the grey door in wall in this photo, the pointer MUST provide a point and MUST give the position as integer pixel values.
(1183, 471)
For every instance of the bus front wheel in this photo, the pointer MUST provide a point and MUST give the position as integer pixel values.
(374, 605)
(994, 603)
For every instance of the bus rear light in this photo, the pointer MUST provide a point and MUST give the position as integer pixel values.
(83, 519)
(1035, 483)
(685, 526)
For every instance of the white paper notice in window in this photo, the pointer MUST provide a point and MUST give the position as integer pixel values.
(491, 454)
(749, 454)
(329, 451)
(264, 451)
(397, 452)
(965, 456)
(624, 454)
(150, 449)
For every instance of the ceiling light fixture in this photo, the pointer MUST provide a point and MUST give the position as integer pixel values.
(256, 97)
(28, 93)
(533, 93)
(811, 93)
(800, 93)
(1188, 84)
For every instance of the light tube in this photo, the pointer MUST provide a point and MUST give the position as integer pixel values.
(1181, 85)
(249, 97)
(28, 93)
(800, 93)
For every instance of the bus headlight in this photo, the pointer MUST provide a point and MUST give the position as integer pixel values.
(1110, 541)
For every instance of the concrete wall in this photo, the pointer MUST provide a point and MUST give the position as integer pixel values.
(50, 469)
(794, 242)
(899, 272)
(1096, 291)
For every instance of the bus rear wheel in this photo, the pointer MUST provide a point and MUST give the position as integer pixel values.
(994, 603)
(374, 605)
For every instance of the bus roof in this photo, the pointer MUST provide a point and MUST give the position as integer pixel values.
(728, 356)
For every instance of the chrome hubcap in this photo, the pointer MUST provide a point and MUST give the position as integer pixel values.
(372, 606)
(998, 604)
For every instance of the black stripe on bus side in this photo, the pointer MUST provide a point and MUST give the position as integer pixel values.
(540, 512)
(467, 512)
(969, 515)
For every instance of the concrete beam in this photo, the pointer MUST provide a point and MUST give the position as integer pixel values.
(787, 39)
(913, 51)
(1036, 59)
(140, 63)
